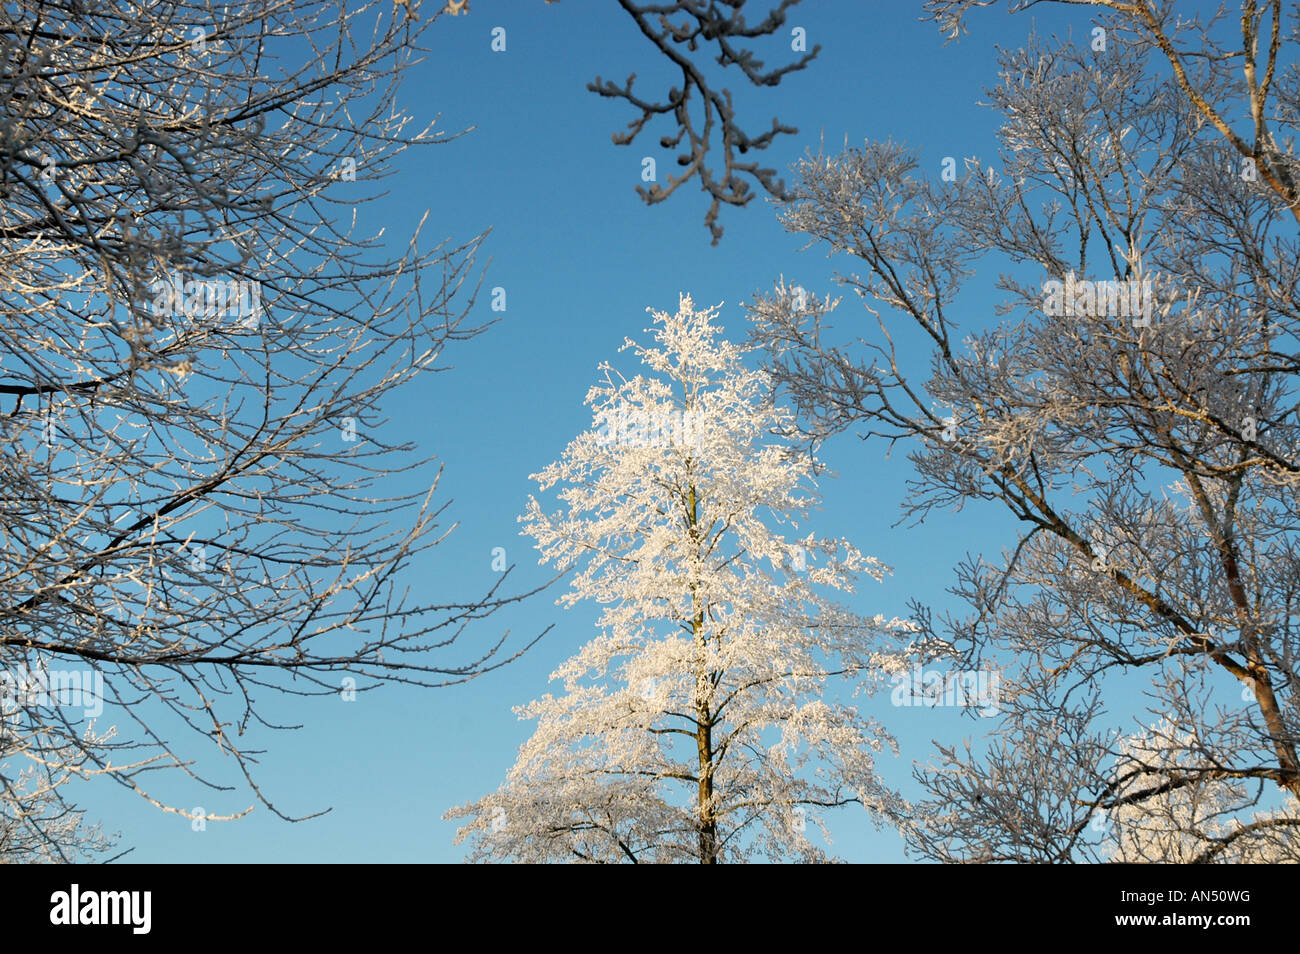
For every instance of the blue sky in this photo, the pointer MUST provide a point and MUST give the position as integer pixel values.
(581, 258)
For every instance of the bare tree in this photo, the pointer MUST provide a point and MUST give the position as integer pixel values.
(677, 30)
(203, 505)
(1136, 413)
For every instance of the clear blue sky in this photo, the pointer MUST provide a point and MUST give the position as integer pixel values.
(581, 258)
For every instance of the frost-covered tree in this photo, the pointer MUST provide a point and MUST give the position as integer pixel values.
(1243, 45)
(37, 825)
(199, 336)
(1132, 406)
(1210, 819)
(712, 719)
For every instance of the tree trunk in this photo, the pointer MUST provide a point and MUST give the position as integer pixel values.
(708, 824)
